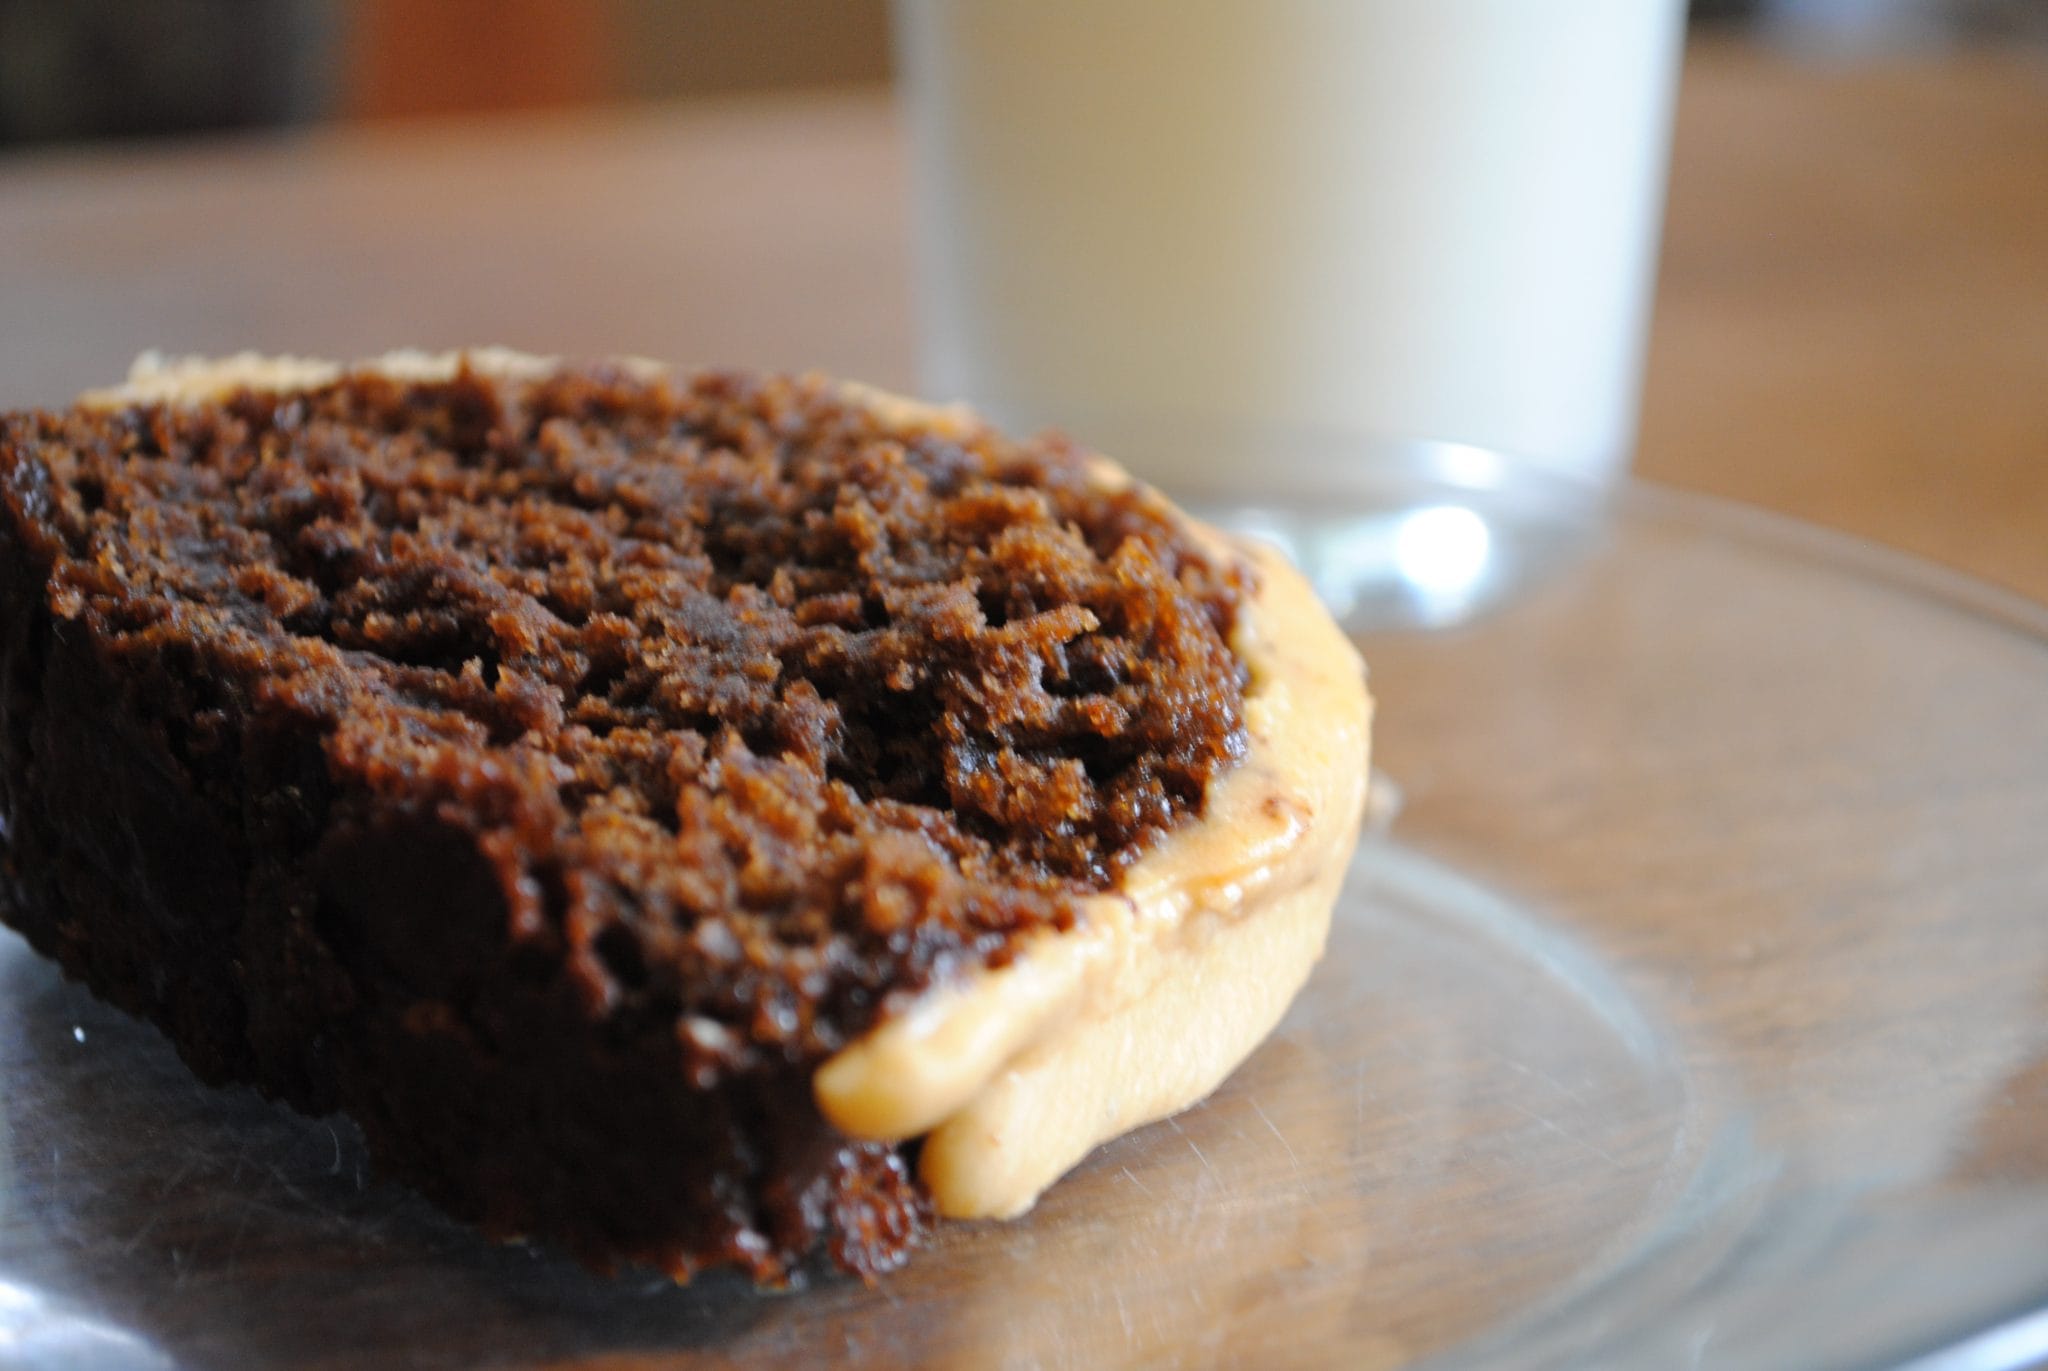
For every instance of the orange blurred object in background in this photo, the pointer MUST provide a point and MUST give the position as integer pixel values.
(460, 56)
(406, 57)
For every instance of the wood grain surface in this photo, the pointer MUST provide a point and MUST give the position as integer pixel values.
(1852, 321)
(1851, 328)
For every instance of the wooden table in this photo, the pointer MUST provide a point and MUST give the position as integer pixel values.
(1852, 325)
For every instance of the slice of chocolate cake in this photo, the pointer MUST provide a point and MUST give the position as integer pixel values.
(683, 817)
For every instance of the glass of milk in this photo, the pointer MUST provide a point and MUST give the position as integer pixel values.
(1390, 222)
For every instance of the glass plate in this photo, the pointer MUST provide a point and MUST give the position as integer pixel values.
(1691, 1010)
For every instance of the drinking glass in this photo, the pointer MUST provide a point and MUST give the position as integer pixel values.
(1374, 225)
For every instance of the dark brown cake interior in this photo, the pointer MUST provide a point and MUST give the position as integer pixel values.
(551, 773)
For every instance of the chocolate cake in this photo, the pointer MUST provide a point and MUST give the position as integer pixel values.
(576, 774)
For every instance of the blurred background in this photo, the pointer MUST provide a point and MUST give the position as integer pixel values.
(83, 69)
(1851, 307)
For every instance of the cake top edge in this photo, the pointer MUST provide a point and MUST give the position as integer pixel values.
(157, 377)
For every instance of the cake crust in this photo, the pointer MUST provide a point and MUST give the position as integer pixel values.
(1164, 984)
(485, 747)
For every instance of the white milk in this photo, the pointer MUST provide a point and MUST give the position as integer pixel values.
(1401, 219)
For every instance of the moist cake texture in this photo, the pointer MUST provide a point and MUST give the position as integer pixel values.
(552, 768)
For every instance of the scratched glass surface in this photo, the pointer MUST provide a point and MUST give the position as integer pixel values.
(1689, 1007)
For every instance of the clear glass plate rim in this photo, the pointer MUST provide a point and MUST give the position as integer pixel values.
(1872, 561)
